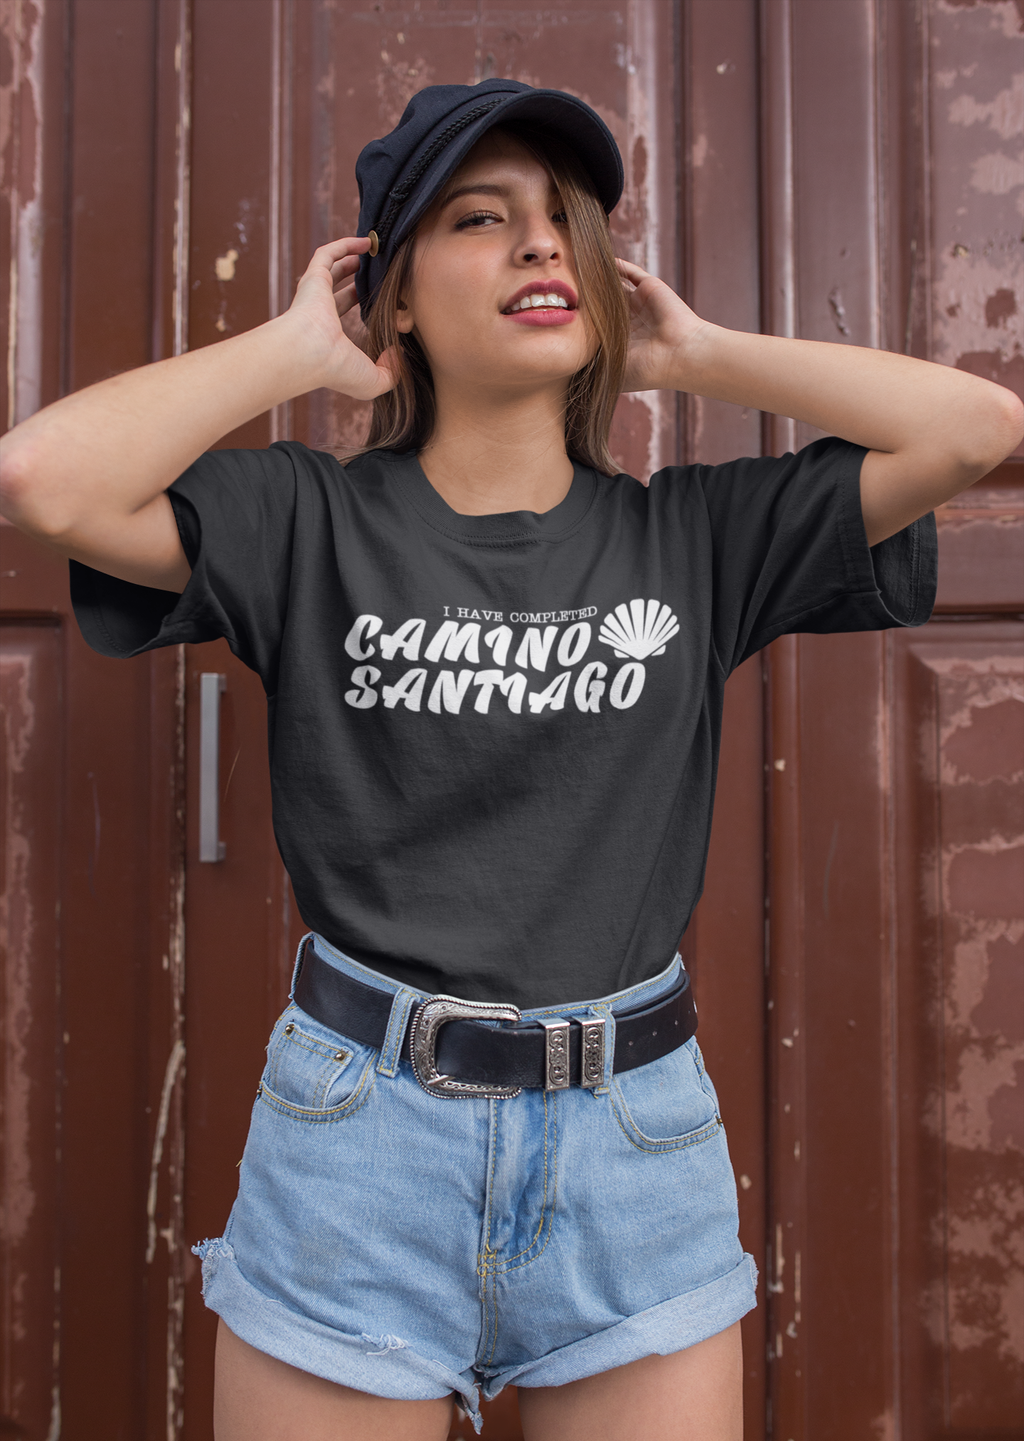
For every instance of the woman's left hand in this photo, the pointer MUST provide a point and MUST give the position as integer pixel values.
(663, 332)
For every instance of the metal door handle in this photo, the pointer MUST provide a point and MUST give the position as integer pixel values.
(211, 687)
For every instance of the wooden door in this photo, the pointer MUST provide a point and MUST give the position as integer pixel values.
(827, 168)
(894, 901)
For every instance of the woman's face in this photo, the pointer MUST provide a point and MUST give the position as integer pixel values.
(493, 297)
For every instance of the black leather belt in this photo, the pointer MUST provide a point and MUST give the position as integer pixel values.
(453, 1054)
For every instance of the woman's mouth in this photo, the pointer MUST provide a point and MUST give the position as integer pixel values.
(542, 306)
(541, 315)
(539, 302)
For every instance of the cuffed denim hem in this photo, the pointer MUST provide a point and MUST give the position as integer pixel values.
(659, 1331)
(380, 1365)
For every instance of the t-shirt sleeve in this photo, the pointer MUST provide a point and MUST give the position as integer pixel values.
(790, 553)
(235, 511)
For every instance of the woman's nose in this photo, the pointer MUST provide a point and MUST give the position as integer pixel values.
(541, 244)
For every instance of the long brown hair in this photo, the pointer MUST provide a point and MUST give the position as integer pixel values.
(403, 418)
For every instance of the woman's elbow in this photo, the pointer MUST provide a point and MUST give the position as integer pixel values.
(995, 430)
(25, 498)
(15, 479)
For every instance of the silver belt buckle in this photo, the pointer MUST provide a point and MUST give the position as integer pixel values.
(431, 1016)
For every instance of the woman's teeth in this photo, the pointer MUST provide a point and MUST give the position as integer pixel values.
(535, 302)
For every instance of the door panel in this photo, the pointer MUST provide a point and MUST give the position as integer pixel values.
(78, 206)
(724, 951)
(960, 895)
(92, 1138)
(242, 930)
(724, 944)
(31, 1060)
(896, 920)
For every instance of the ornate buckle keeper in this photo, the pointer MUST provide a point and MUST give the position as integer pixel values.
(592, 1060)
(431, 1016)
(556, 1055)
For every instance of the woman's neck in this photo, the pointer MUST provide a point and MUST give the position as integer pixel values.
(488, 456)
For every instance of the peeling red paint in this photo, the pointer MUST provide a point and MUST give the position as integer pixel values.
(610, 59)
(976, 107)
(999, 307)
(1001, 1007)
(989, 749)
(18, 924)
(974, 1313)
(981, 880)
(1006, 7)
(21, 108)
(30, 1138)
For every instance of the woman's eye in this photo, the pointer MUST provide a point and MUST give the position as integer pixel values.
(477, 219)
(560, 217)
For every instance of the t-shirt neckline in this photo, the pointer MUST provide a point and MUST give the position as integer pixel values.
(507, 526)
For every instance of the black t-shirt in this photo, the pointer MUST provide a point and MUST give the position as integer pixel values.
(493, 739)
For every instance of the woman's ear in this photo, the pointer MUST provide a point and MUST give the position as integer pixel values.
(403, 320)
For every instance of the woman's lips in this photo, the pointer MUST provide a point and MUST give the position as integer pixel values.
(541, 316)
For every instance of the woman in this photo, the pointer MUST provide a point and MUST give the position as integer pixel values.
(494, 671)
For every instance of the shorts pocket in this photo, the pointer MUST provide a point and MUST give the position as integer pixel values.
(312, 1074)
(669, 1103)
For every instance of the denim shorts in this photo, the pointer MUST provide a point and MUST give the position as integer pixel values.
(412, 1245)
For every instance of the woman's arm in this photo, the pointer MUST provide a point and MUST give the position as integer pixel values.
(87, 475)
(930, 430)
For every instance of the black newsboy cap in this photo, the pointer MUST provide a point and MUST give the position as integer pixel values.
(400, 174)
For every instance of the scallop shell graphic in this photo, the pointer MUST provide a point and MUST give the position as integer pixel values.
(639, 629)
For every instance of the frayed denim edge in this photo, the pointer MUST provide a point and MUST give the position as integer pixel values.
(661, 1330)
(213, 1250)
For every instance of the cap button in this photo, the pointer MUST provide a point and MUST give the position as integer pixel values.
(374, 242)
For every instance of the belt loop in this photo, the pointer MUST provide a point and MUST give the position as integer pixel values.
(394, 1037)
(307, 939)
(608, 1016)
(556, 1054)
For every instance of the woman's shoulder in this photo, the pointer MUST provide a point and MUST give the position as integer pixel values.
(335, 469)
(368, 462)
(670, 481)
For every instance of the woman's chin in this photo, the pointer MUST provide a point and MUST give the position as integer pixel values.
(540, 356)
(516, 377)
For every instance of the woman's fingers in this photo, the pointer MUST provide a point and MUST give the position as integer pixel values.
(335, 263)
(632, 272)
(352, 324)
(633, 278)
(642, 287)
(363, 379)
(344, 293)
(336, 250)
(388, 365)
(345, 298)
(342, 269)
(333, 256)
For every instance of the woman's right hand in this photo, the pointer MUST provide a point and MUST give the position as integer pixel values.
(325, 293)
(87, 474)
